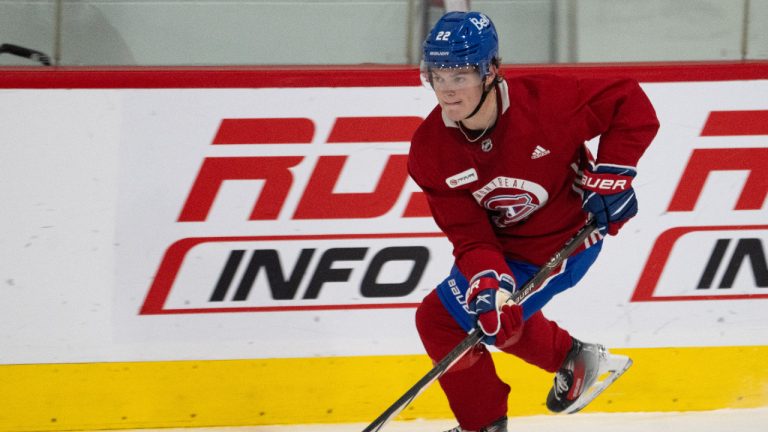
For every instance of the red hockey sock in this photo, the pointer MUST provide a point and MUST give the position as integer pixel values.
(543, 343)
(476, 394)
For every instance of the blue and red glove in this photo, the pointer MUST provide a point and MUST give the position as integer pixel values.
(501, 323)
(609, 196)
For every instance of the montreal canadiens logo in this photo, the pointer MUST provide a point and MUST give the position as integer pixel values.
(510, 208)
(511, 199)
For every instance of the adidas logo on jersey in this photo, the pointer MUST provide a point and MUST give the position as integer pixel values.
(539, 152)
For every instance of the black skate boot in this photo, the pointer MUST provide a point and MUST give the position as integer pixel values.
(576, 382)
(499, 425)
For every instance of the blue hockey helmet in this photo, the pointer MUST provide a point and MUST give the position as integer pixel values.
(461, 39)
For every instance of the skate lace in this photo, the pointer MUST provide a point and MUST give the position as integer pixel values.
(561, 383)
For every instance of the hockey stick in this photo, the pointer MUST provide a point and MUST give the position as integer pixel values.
(26, 53)
(475, 335)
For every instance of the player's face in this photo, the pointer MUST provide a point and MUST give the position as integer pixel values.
(458, 91)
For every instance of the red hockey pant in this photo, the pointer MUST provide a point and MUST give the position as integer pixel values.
(475, 392)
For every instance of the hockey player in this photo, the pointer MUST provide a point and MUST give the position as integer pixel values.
(508, 177)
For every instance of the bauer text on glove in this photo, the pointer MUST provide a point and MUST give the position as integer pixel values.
(609, 196)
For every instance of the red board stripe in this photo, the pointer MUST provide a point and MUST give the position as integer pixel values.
(373, 129)
(265, 131)
(78, 77)
(729, 123)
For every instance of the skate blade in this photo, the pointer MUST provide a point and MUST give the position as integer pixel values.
(615, 367)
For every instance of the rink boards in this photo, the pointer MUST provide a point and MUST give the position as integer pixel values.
(225, 247)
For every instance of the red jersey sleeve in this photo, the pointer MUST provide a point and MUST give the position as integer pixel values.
(621, 113)
(466, 224)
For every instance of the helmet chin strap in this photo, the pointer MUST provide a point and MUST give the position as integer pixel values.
(486, 90)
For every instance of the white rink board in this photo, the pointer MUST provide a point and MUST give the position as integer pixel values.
(94, 182)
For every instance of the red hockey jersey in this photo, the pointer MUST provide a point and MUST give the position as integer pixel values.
(511, 193)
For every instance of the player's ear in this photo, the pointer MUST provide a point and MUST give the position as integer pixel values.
(493, 73)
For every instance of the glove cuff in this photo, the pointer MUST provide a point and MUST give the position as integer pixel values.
(480, 284)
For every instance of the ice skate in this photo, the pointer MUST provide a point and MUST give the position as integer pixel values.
(499, 425)
(577, 382)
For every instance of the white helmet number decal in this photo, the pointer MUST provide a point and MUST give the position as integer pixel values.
(442, 36)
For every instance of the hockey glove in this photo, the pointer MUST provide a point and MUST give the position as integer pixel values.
(487, 291)
(609, 196)
(511, 317)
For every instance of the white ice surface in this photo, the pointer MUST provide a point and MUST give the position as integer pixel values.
(730, 420)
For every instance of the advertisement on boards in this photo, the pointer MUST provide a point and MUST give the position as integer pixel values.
(281, 222)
